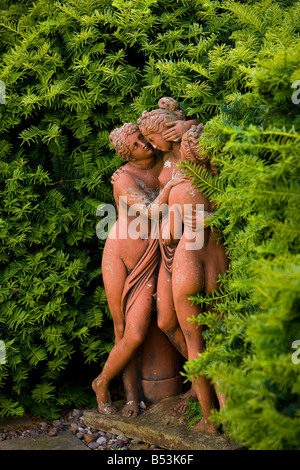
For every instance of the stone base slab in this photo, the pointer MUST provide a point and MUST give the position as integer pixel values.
(156, 426)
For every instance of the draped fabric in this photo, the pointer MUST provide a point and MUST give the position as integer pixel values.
(193, 224)
(167, 254)
(142, 272)
(167, 251)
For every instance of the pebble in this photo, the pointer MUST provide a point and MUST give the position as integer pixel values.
(88, 438)
(93, 445)
(73, 421)
(135, 441)
(53, 432)
(102, 441)
(73, 427)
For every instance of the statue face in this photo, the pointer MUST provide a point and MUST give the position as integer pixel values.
(157, 141)
(139, 147)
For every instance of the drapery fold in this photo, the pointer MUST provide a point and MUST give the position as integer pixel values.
(143, 271)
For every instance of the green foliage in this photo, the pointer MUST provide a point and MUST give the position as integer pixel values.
(193, 412)
(73, 71)
(255, 142)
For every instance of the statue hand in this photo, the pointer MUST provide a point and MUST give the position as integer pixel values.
(178, 128)
(117, 174)
(178, 179)
(175, 131)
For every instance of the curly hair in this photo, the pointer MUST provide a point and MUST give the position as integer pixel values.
(190, 147)
(118, 138)
(193, 152)
(154, 121)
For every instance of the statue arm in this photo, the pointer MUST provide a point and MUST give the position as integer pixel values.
(175, 225)
(129, 191)
(187, 197)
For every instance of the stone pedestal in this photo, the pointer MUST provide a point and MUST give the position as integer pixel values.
(159, 367)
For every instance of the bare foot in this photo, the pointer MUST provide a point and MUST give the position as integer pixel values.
(182, 407)
(106, 408)
(105, 405)
(205, 426)
(131, 409)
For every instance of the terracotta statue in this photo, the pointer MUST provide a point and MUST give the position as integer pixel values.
(129, 266)
(132, 271)
(190, 271)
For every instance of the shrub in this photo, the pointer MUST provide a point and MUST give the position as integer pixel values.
(255, 141)
(75, 70)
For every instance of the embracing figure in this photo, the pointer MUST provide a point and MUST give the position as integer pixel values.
(185, 270)
(130, 263)
(158, 261)
(196, 270)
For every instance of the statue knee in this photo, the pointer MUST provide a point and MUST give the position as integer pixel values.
(165, 324)
(135, 339)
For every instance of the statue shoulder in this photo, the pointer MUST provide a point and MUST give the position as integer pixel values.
(122, 179)
(180, 194)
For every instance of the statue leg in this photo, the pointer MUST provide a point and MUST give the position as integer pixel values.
(188, 279)
(131, 385)
(114, 274)
(167, 321)
(136, 327)
(166, 314)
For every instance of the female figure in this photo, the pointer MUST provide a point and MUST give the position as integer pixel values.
(129, 264)
(153, 125)
(196, 270)
(187, 271)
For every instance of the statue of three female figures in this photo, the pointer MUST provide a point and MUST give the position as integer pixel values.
(158, 264)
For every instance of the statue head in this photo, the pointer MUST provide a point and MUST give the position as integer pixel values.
(130, 144)
(191, 150)
(119, 139)
(190, 145)
(153, 123)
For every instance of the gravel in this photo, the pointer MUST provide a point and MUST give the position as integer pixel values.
(73, 421)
